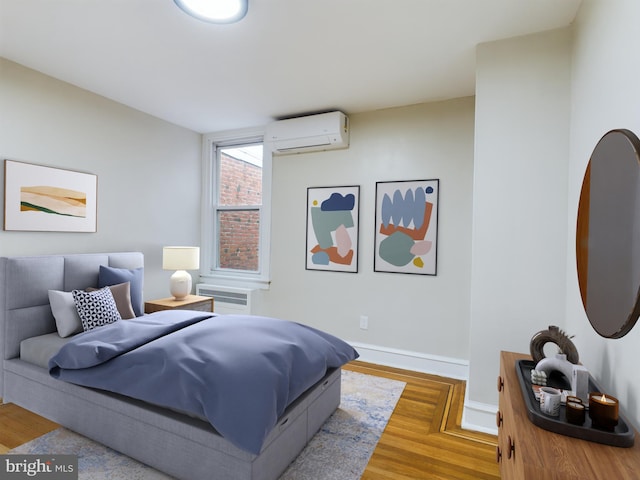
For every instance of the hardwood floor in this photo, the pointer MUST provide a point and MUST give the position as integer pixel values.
(423, 439)
(18, 426)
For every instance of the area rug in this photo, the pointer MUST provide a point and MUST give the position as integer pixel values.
(339, 451)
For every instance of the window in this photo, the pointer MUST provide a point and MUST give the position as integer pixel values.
(235, 243)
(239, 192)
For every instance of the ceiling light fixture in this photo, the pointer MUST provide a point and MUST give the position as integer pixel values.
(215, 11)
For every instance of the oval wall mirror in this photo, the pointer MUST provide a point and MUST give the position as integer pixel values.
(608, 235)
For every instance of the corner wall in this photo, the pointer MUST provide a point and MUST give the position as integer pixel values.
(519, 205)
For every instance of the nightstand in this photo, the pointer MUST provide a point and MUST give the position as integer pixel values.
(190, 302)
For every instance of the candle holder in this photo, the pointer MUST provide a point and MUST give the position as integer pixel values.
(603, 411)
(575, 410)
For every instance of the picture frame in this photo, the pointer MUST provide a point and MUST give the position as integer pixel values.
(333, 228)
(48, 199)
(406, 234)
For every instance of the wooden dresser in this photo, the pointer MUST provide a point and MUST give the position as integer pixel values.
(526, 451)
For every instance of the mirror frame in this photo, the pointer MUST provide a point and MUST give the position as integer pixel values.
(632, 152)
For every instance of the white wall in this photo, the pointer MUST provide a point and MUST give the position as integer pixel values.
(519, 204)
(533, 141)
(605, 95)
(410, 313)
(148, 170)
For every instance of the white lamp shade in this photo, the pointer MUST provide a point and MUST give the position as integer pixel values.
(181, 258)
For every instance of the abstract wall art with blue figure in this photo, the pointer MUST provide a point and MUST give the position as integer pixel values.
(332, 228)
(406, 234)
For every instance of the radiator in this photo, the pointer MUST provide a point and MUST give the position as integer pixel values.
(227, 299)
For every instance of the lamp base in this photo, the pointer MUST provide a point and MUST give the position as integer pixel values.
(180, 285)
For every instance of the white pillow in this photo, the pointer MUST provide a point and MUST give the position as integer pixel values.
(64, 311)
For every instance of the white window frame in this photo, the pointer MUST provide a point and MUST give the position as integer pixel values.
(208, 272)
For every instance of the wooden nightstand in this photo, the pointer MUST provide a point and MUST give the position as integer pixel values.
(191, 302)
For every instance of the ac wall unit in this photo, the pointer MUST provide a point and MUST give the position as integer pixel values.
(227, 299)
(325, 131)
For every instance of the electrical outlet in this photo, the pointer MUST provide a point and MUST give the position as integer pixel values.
(364, 322)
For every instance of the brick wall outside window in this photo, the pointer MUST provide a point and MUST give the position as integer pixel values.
(239, 230)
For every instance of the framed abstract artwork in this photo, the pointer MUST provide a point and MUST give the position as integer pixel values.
(39, 198)
(406, 236)
(332, 228)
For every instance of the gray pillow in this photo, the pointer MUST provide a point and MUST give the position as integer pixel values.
(96, 309)
(122, 295)
(65, 313)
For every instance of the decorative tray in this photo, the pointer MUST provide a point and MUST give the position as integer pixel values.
(622, 436)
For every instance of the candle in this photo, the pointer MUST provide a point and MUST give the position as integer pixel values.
(603, 410)
(575, 410)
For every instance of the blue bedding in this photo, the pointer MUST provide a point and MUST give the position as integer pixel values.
(238, 371)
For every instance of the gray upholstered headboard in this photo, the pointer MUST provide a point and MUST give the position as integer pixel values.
(24, 286)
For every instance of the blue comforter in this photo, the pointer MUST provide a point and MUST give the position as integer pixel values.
(240, 372)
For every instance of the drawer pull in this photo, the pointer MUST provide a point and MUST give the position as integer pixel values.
(500, 383)
(498, 455)
(284, 423)
(512, 448)
(498, 418)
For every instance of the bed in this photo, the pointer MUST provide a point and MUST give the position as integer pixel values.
(178, 442)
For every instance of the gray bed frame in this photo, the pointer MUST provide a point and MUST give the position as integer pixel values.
(179, 445)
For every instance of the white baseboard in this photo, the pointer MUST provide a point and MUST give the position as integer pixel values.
(477, 416)
(480, 417)
(418, 362)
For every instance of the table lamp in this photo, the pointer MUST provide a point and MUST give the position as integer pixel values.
(180, 259)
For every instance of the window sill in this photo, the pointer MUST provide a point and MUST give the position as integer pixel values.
(237, 281)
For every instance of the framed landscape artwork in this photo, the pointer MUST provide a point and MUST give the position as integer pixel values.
(39, 198)
(406, 236)
(332, 228)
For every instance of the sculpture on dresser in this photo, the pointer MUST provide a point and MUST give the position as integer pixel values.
(553, 335)
(565, 362)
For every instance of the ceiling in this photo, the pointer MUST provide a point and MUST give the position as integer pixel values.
(286, 57)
